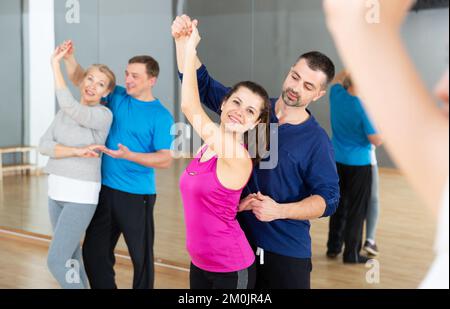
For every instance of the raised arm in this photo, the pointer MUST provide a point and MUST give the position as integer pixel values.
(181, 30)
(98, 118)
(74, 70)
(57, 56)
(92, 118)
(416, 132)
(211, 91)
(210, 132)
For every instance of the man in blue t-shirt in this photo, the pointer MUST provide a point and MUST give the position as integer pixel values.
(139, 142)
(353, 137)
(279, 202)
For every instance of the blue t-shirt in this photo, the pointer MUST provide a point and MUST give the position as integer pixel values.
(351, 128)
(305, 167)
(143, 127)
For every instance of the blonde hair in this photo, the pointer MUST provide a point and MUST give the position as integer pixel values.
(105, 70)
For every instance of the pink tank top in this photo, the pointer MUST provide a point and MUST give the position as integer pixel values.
(214, 238)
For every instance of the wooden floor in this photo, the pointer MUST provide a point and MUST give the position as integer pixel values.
(23, 266)
(405, 237)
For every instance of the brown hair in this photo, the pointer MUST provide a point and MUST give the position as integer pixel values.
(107, 71)
(150, 63)
(264, 117)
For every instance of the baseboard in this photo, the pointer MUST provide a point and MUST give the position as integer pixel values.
(122, 256)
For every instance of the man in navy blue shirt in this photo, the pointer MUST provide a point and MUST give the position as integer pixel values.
(353, 136)
(304, 185)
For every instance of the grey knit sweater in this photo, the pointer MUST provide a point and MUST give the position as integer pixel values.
(76, 125)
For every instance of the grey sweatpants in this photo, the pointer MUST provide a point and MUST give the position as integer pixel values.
(374, 206)
(69, 222)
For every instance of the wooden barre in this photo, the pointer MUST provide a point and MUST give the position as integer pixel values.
(16, 167)
(4, 150)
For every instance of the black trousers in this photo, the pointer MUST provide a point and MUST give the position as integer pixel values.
(346, 225)
(240, 280)
(120, 212)
(283, 272)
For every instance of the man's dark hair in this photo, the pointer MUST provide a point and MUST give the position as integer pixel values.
(320, 62)
(150, 63)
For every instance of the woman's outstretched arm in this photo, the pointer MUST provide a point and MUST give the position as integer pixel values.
(57, 56)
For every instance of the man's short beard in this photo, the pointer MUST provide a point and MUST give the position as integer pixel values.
(289, 103)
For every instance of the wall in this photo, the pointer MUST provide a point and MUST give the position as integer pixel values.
(11, 103)
(39, 90)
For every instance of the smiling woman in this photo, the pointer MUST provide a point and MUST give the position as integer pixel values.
(213, 182)
(72, 142)
(98, 81)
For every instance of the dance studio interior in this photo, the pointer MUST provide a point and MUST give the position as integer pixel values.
(241, 40)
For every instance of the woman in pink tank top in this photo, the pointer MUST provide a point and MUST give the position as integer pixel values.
(212, 184)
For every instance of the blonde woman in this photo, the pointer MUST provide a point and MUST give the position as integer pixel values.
(73, 143)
